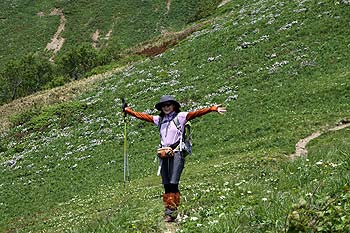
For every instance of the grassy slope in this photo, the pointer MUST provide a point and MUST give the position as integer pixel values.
(19, 21)
(282, 71)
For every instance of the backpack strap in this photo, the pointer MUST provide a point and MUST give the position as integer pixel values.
(177, 123)
(160, 122)
(187, 130)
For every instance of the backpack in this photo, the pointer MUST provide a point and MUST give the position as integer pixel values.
(185, 144)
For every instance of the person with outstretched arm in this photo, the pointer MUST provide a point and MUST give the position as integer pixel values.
(172, 158)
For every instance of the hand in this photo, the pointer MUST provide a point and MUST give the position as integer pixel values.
(220, 109)
(124, 105)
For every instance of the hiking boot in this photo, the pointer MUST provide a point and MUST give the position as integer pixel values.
(171, 202)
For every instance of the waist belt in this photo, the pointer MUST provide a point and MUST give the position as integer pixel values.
(168, 151)
(165, 152)
(175, 145)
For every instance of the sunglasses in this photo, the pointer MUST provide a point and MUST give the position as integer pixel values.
(166, 104)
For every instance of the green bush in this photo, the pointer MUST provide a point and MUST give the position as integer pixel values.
(25, 76)
(3, 148)
(34, 72)
(56, 82)
(80, 60)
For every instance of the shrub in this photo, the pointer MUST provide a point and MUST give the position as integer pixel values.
(56, 82)
(78, 61)
(25, 76)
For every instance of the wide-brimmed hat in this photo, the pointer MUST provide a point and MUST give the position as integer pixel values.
(167, 99)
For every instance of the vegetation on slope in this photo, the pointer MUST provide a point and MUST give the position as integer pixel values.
(282, 70)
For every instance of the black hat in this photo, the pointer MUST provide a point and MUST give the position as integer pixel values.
(167, 99)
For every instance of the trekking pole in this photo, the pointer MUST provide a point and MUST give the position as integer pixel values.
(126, 159)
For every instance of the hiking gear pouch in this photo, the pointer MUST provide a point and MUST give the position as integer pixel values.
(165, 152)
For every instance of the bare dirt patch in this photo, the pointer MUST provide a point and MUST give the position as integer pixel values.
(40, 14)
(166, 40)
(108, 35)
(95, 37)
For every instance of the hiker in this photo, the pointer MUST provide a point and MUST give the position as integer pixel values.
(172, 157)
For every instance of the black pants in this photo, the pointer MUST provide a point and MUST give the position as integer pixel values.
(171, 168)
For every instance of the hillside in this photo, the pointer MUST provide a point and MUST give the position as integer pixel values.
(115, 25)
(50, 43)
(282, 71)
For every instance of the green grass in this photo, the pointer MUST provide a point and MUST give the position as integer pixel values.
(281, 71)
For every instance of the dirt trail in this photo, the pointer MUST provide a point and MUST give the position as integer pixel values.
(168, 4)
(95, 37)
(57, 41)
(223, 3)
(300, 147)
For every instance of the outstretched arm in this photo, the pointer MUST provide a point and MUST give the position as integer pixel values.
(203, 111)
(139, 115)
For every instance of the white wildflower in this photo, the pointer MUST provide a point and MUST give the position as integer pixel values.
(213, 222)
(319, 162)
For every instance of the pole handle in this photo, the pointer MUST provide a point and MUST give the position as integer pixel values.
(124, 105)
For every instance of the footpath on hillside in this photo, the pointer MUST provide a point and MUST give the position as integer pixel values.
(300, 147)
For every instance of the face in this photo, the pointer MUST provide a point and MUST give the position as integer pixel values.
(168, 108)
